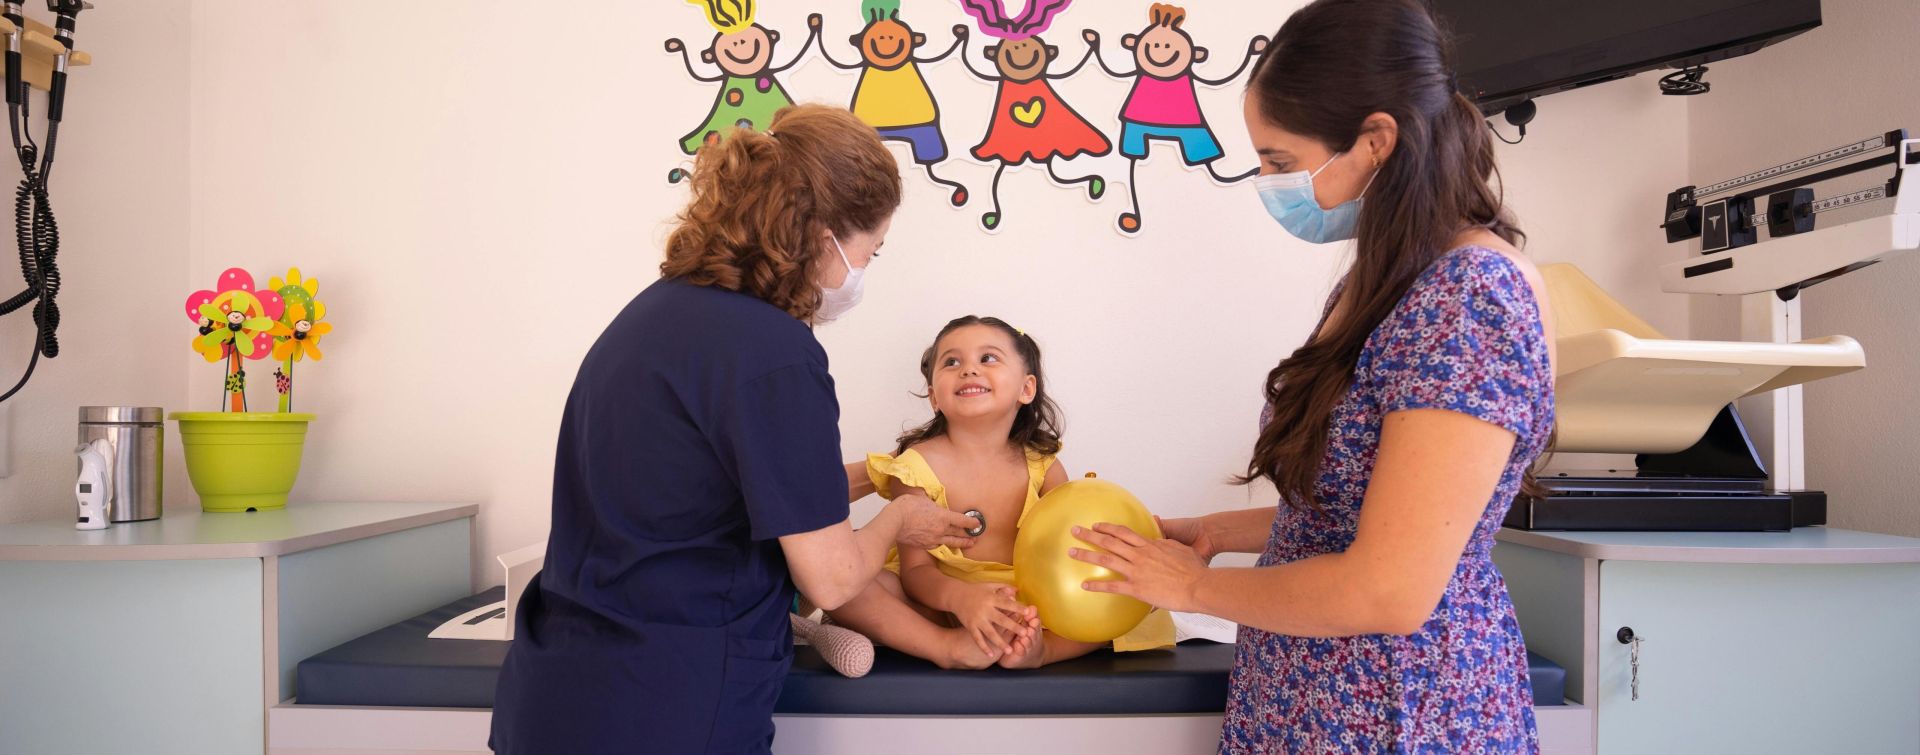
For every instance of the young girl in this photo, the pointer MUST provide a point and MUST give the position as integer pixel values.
(989, 449)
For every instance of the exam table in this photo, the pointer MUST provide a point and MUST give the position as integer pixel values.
(396, 689)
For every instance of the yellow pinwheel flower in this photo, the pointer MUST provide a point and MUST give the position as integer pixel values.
(303, 332)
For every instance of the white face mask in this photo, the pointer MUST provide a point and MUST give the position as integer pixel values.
(836, 302)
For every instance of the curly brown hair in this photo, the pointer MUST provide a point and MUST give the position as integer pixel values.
(762, 202)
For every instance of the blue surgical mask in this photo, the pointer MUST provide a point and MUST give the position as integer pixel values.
(1289, 199)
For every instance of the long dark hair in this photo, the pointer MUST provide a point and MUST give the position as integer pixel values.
(1332, 64)
(1036, 429)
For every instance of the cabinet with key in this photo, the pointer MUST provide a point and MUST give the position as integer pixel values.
(1705, 642)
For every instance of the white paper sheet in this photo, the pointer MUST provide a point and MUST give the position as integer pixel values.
(1198, 626)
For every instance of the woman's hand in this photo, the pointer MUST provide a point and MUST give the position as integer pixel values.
(1191, 532)
(925, 525)
(990, 613)
(1162, 573)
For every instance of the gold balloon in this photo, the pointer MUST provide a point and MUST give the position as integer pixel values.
(1050, 580)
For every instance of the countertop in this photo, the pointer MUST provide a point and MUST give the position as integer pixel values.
(193, 534)
(1805, 545)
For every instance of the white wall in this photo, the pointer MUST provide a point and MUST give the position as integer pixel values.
(119, 192)
(477, 206)
(478, 203)
(476, 210)
(1850, 79)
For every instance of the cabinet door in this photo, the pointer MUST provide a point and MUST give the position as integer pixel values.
(148, 657)
(1748, 658)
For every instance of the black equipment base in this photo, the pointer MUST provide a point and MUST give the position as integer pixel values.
(1670, 512)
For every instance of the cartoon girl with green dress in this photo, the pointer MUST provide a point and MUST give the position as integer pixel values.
(743, 50)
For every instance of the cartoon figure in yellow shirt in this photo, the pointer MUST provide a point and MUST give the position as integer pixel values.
(892, 95)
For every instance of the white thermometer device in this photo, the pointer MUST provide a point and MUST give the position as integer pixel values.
(94, 489)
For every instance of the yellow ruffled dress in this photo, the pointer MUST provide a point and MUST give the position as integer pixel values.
(911, 469)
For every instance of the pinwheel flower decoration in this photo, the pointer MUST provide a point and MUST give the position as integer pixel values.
(302, 329)
(236, 322)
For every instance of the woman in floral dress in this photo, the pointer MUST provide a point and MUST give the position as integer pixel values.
(1375, 620)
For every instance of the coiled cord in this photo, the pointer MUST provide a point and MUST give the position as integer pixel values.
(1686, 82)
(38, 237)
(34, 228)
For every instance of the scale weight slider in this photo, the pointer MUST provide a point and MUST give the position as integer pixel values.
(1727, 224)
(1683, 215)
(1789, 212)
(1713, 228)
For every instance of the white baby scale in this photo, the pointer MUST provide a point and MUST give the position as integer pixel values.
(494, 621)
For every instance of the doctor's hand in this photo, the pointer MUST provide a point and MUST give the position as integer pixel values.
(1161, 573)
(925, 525)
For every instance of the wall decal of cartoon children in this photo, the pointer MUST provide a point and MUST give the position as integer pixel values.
(743, 51)
(1031, 122)
(1163, 105)
(892, 96)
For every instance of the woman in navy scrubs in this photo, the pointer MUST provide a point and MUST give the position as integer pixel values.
(699, 464)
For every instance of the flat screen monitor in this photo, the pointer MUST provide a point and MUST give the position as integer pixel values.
(1509, 51)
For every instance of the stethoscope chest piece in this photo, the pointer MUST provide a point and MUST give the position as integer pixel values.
(978, 517)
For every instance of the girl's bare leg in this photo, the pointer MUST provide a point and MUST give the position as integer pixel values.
(884, 613)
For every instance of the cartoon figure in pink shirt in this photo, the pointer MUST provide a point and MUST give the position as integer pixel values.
(1163, 105)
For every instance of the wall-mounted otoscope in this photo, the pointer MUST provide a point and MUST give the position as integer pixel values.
(68, 13)
(35, 230)
(16, 94)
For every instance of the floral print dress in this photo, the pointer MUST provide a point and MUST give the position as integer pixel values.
(1467, 337)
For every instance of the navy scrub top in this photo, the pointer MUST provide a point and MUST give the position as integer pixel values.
(702, 426)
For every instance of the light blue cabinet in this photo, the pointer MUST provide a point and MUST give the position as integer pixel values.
(1749, 642)
(130, 656)
(177, 635)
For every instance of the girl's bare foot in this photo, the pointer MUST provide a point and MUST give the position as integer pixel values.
(1028, 651)
(962, 652)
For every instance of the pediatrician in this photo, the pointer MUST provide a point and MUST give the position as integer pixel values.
(699, 463)
(1375, 620)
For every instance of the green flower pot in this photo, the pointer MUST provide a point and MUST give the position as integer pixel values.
(242, 461)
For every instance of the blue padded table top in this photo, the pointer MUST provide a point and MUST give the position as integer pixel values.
(1191, 678)
(399, 666)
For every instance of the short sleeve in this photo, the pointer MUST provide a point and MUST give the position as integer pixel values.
(1466, 338)
(1037, 468)
(909, 468)
(780, 434)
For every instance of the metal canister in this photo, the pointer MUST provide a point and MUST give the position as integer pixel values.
(138, 436)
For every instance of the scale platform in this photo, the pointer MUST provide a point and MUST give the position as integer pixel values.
(1651, 502)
